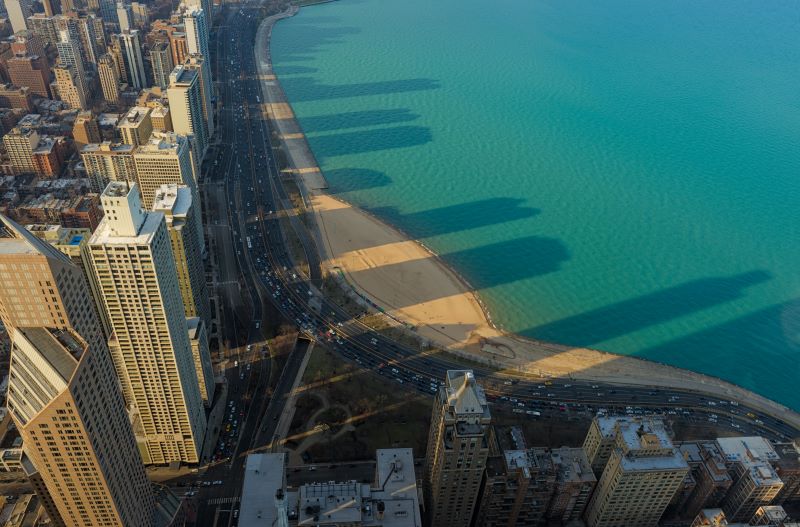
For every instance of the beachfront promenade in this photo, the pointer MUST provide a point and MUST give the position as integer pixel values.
(412, 285)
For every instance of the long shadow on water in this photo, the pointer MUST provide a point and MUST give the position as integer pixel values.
(347, 143)
(308, 39)
(608, 322)
(310, 89)
(339, 121)
(354, 179)
(456, 218)
(761, 345)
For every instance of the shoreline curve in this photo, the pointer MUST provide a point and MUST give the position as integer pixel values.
(415, 287)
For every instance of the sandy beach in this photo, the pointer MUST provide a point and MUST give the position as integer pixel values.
(412, 285)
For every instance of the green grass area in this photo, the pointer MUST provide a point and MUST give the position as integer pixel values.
(384, 414)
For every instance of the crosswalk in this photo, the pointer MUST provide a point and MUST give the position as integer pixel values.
(223, 501)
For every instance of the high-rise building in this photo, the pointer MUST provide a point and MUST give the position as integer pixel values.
(18, 13)
(206, 6)
(162, 121)
(108, 11)
(150, 347)
(63, 392)
(85, 130)
(14, 97)
(161, 62)
(109, 78)
(31, 71)
(643, 472)
(196, 26)
(710, 473)
(107, 161)
(27, 43)
(70, 88)
(74, 242)
(125, 16)
(81, 29)
(198, 63)
(117, 52)
(44, 26)
(136, 127)
(134, 64)
(179, 45)
(788, 468)
(41, 287)
(186, 106)
(458, 445)
(517, 488)
(88, 462)
(69, 49)
(198, 337)
(574, 484)
(755, 482)
(141, 15)
(165, 159)
(20, 143)
(177, 205)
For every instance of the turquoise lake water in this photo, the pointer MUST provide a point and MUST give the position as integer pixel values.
(623, 175)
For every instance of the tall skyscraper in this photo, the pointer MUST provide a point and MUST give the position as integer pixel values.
(70, 88)
(109, 78)
(18, 13)
(196, 26)
(108, 11)
(134, 64)
(199, 64)
(74, 242)
(186, 106)
(85, 130)
(116, 50)
(31, 71)
(177, 205)
(125, 16)
(161, 62)
(198, 337)
(63, 394)
(136, 126)
(150, 347)
(643, 472)
(206, 6)
(69, 46)
(755, 482)
(141, 15)
(20, 144)
(106, 162)
(43, 26)
(458, 445)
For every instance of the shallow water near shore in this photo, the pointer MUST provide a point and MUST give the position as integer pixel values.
(621, 175)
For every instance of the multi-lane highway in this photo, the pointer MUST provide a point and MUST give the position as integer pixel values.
(246, 180)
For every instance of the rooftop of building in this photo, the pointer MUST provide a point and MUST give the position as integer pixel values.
(14, 239)
(788, 456)
(173, 199)
(264, 476)
(107, 147)
(182, 76)
(134, 117)
(60, 348)
(161, 143)
(572, 465)
(747, 449)
(464, 395)
(392, 501)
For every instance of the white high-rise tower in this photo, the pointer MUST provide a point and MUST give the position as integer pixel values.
(150, 346)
